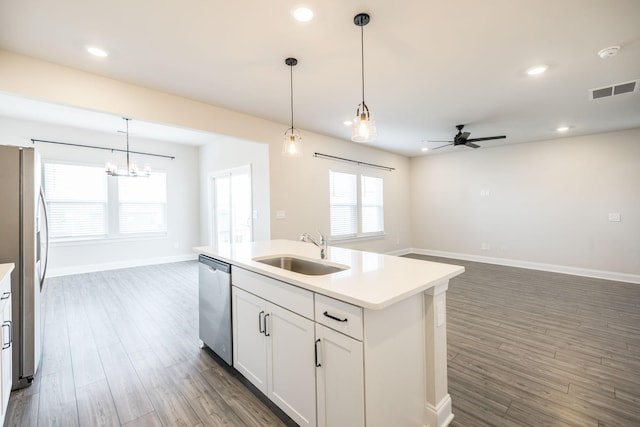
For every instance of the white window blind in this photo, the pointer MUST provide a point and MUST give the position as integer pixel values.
(372, 206)
(76, 200)
(343, 191)
(142, 204)
(356, 205)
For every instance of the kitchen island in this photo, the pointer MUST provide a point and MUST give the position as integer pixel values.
(365, 345)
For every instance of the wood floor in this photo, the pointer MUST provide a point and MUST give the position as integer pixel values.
(525, 348)
(535, 348)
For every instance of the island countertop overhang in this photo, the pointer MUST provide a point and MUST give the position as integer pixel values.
(372, 281)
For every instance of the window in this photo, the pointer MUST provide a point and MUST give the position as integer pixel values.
(76, 200)
(356, 205)
(142, 204)
(84, 203)
(372, 207)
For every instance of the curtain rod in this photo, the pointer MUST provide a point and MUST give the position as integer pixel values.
(328, 156)
(33, 141)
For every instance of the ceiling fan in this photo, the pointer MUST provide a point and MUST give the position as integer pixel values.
(461, 138)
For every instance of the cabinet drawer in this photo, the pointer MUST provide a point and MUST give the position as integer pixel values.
(283, 294)
(340, 316)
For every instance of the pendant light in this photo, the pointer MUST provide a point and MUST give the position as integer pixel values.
(132, 169)
(292, 143)
(364, 127)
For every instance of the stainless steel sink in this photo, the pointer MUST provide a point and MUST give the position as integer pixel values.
(302, 266)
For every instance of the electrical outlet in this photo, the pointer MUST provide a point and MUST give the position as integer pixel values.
(614, 217)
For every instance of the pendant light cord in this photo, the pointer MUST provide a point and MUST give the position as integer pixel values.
(362, 57)
(127, 122)
(291, 81)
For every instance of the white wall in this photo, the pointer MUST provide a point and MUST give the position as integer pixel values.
(227, 153)
(548, 203)
(182, 196)
(300, 187)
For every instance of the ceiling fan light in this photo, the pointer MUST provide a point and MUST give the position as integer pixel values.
(292, 143)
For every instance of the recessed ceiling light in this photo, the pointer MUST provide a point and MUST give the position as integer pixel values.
(347, 123)
(537, 69)
(302, 14)
(424, 149)
(96, 51)
(562, 128)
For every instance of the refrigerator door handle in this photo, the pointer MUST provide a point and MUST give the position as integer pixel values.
(43, 200)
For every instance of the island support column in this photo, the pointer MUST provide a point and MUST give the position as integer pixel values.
(438, 402)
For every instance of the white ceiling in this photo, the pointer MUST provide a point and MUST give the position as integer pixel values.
(430, 64)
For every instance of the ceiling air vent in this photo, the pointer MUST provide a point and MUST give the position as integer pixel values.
(617, 89)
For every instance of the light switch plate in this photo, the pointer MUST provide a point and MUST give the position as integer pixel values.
(281, 214)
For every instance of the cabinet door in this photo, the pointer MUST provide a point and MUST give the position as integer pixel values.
(5, 366)
(249, 341)
(291, 364)
(340, 379)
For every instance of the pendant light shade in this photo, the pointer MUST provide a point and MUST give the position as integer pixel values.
(292, 143)
(364, 127)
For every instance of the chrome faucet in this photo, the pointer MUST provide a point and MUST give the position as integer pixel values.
(322, 243)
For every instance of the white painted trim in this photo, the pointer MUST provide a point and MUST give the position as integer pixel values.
(400, 252)
(576, 271)
(90, 268)
(439, 416)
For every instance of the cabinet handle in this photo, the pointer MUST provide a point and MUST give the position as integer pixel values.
(260, 320)
(266, 332)
(318, 365)
(334, 317)
(9, 324)
(5, 295)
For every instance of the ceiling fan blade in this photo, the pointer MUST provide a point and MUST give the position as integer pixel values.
(464, 135)
(488, 138)
(471, 144)
(442, 146)
(438, 141)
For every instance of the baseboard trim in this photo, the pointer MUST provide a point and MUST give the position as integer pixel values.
(90, 268)
(585, 272)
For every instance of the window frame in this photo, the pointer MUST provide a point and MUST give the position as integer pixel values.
(359, 234)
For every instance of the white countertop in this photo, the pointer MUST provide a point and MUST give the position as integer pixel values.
(5, 270)
(372, 281)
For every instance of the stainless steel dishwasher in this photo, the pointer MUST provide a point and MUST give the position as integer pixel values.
(215, 306)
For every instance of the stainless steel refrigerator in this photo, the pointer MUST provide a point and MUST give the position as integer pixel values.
(24, 242)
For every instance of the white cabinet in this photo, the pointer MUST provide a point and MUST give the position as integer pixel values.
(340, 379)
(291, 368)
(329, 363)
(274, 347)
(7, 342)
(249, 341)
(340, 365)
